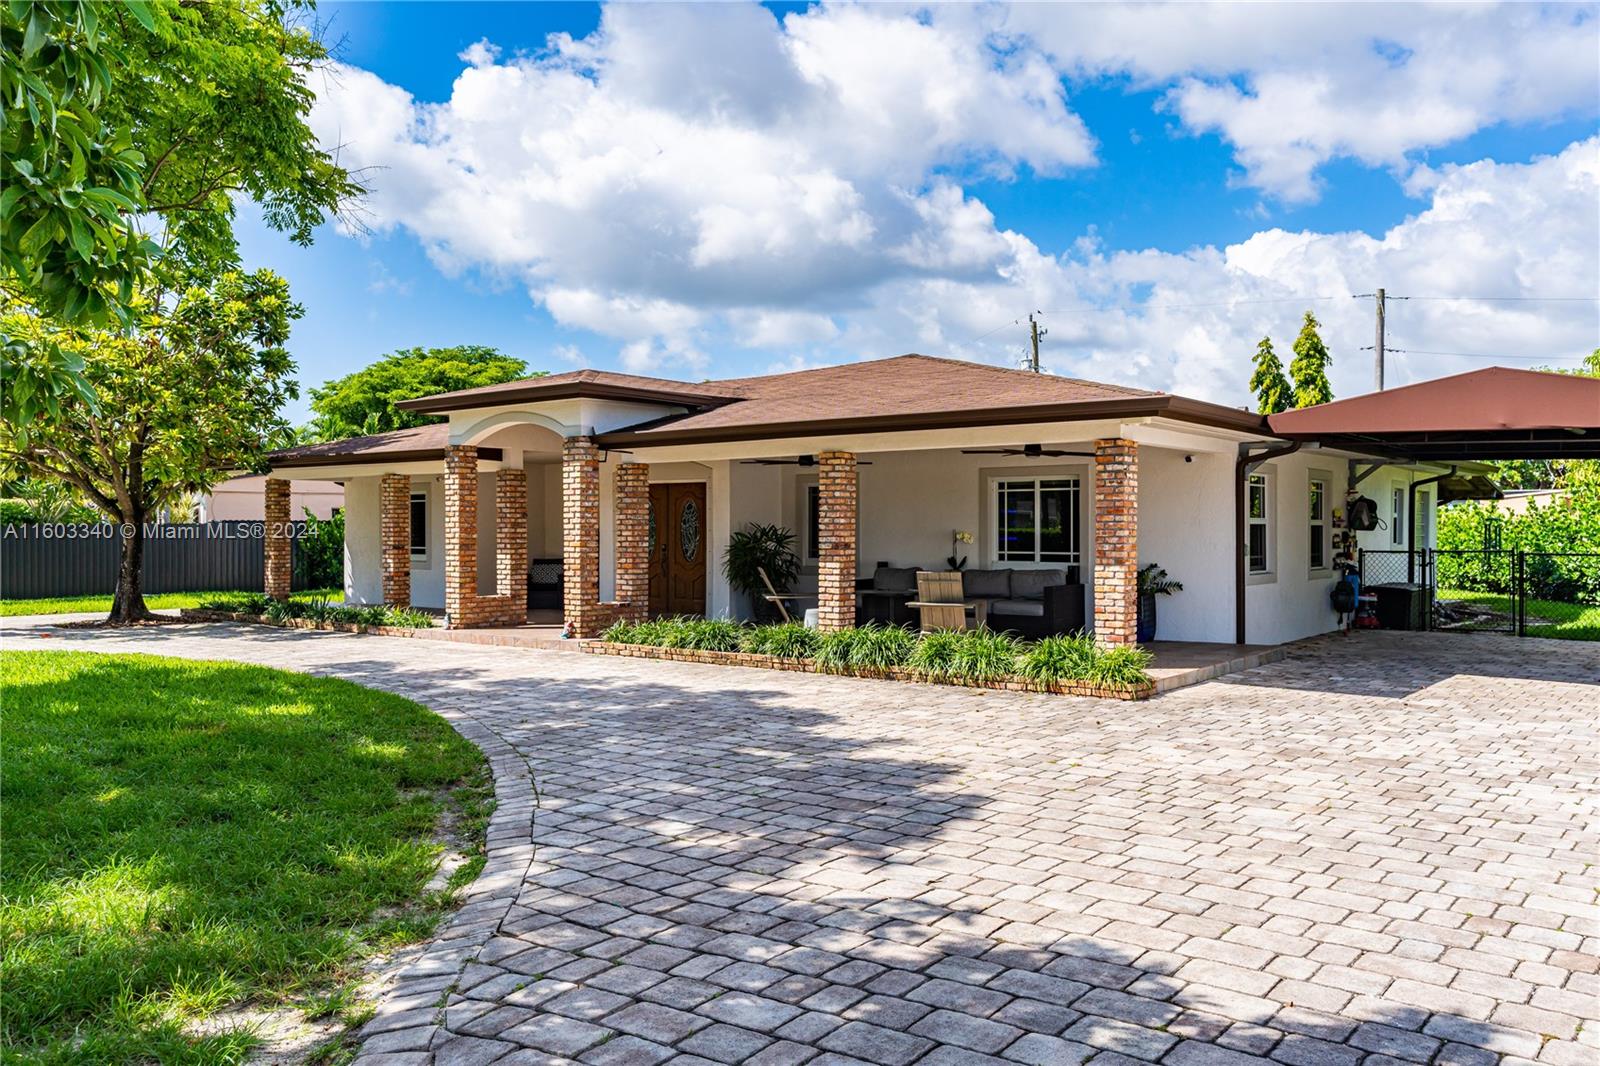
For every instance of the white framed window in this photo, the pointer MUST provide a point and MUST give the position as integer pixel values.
(419, 525)
(1038, 520)
(1258, 524)
(1318, 520)
(1397, 516)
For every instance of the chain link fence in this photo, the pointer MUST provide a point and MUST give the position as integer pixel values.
(1535, 594)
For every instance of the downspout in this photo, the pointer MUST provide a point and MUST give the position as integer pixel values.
(1241, 474)
(1411, 520)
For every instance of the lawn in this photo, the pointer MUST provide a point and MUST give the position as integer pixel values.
(153, 600)
(1546, 618)
(184, 837)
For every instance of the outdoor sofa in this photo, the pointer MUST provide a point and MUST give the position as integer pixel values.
(1029, 603)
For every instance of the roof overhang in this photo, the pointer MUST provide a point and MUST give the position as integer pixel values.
(534, 392)
(662, 434)
(1444, 446)
(371, 458)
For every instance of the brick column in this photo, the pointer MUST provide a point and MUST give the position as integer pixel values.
(460, 534)
(278, 548)
(580, 537)
(394, 495)
(1116, 541)
(632, 508)
(836, 535)
(511, 542)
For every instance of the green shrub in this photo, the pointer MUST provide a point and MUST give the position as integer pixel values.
(935, 654)
(1125, 666)
(984, 655)
(788, 640)
(16, 513)
(403, 617)
(319, 551)
(1058, 658)
(694, 634)
(870, 647)
(619, 632)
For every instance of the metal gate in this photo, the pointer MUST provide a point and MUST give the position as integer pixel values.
(1499, 590)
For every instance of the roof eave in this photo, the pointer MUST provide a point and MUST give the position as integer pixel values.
(466, 401)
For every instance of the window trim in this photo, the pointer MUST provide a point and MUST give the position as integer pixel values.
(1080, 553)
(1398, 491)
(1268, 523)
(1325, 523)
(426, 552)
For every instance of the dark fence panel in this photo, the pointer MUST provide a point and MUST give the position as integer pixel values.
(1535, 594)
(73, 560)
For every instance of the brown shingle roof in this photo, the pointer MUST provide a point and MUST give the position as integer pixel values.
(421, 442)
(593, 383)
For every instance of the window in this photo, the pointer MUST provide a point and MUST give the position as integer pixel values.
(1397, 527)
(1318, 518)
(419, 523)
(813, 520)
(1037, 520)
(1258, 512)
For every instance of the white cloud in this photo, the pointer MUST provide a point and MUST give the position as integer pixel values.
(1292, 86)
(690, 179)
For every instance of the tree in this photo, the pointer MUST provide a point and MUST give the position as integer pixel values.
(1310, 366)
(1554, 473)
(364, 402)
(129, 130)
(1270, 387)
(188, 393)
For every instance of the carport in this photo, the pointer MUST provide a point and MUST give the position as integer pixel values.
(1495, 413)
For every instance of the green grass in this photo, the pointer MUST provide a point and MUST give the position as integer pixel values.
(181, 837)
(154, 600)
(1546, 618)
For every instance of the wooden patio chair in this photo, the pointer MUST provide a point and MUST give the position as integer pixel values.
(776, 598)
(940, 603)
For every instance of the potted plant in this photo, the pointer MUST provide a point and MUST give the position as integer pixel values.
(1153, 582)
(760, 547)
(958, 537)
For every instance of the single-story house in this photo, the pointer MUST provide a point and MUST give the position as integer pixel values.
(242, 499)
(629, 487)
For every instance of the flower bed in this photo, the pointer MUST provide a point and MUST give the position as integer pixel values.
(979, 658)
(316, 614)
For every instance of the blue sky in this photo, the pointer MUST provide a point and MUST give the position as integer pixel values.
(1169, 171)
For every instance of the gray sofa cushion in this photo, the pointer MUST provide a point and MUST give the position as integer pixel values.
(1017, 608)
(986, 584)
(1030, 584)
(894, 579)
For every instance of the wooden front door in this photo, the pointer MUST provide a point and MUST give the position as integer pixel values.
(677, 549)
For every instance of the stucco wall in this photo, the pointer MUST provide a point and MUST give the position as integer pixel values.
(1186, 525)
(363, 555)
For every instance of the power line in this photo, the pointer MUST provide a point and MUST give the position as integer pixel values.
(1474, 355)
(1507, 299)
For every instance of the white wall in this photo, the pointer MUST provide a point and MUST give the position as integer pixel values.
(1186, 525)
(363, 550)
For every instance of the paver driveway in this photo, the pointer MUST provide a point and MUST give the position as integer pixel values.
(1379, 849)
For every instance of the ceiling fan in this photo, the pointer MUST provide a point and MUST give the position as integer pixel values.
(1030, 451)
(804, 460)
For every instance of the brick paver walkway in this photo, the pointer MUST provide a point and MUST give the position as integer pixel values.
(1379, 850)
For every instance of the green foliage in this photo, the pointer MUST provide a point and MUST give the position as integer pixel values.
(16, 513)
(934, 656)
(865, 648)
(1565, 534)
(320, 550)
(965, 655)
(317, 607)
(1153, 581)
(363, 402)
(1554, 473)
(155, 601)
(190, 392)
(125, 120)
(761, 547)
(184, 836)
(1309, 368)
(1076, 657)
(1270, 387)
(684, 631)
(789, 640)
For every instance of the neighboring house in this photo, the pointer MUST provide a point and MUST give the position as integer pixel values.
(242, 499)
(634, 484)
(1516, 501)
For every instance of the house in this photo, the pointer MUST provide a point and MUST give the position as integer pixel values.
(241, 499)
(630, 487)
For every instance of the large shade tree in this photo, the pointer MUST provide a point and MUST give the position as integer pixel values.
(188, 392)
(363, 402)
(130, 128)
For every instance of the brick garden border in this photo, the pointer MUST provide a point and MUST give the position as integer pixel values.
(893, 673)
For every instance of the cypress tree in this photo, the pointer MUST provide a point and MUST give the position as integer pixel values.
(1270, 387)
(1310, 366)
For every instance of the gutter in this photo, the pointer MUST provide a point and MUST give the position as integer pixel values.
(1246, 462)
(1411, 521)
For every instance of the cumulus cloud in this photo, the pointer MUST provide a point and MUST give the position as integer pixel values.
(692, 179)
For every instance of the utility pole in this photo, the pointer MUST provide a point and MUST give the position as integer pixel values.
(1377, 364)
(1033, 363)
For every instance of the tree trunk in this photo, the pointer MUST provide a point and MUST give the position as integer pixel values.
(128, 603)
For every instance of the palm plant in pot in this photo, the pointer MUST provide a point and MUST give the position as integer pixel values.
(755, 548)
(1153, 582)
